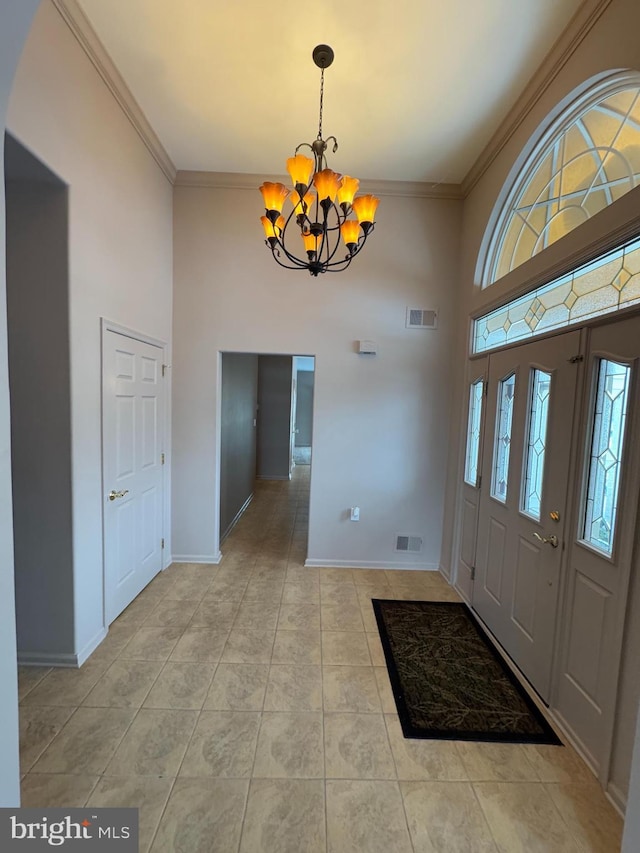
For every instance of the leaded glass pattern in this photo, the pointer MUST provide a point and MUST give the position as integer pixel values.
(581, 170)
(603, 484)
(605, 285)
(537, 443)
(502, 447)
(476, 392)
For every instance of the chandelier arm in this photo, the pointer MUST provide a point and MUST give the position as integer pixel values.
(298, 265)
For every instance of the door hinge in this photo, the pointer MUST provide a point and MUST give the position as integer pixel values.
(164, 369)
(575, 359)
(485, 388)
(162, 458)
(473, 573)
(162, 543)
(479, 482)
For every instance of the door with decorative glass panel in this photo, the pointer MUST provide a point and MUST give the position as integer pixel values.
(602, 541)
(523, 498)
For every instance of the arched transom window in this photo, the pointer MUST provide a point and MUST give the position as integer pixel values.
(587, 160)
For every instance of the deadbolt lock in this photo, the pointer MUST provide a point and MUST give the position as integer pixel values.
(554, 515)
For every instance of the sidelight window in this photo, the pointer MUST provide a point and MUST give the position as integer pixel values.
(500, 472)
(537, 443)
(473, 433)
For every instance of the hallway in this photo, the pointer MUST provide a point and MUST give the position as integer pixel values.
(246, 707)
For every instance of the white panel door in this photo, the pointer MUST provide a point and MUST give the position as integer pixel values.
(133, 407)
(523, 498)
(605, 529)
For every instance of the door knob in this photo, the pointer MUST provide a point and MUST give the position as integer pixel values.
(548, 540)
(113, 495)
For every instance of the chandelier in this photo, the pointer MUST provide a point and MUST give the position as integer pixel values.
(322, 202)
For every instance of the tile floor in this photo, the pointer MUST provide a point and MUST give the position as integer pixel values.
(246, 707)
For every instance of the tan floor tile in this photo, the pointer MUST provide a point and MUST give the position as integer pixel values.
(216, 614)
(148, 795)
(375, 649)
(300, 617)
(290, 746)
(367, 592)
(55, 790)
(66, 686)
(557, 764)
(228, 590)
(261, 615)
(369, 617)
(303, 574)
(592, 820)
(333, 592)
(87, 742)
(202, 816)
(297, 647)
(294, 688)
(366, 815)
(119, 636)
(384, 690)
(245, 645)
(424, 759)
(172, 613)
(154, 745)
(124, 685)
(370, 577)
(345, 648)
(523, 818)
(223, 744)
(335, 576)
(445, 817)
(137, 611)
(268, 592)
(341, 617)
(38, 727)
(181, 685)
(237, 687)
(496, 762)
(285, 815)
(200, 645)
(151, 644)
(350, 688)
(298, 592)
(28, 677)
(357, 747)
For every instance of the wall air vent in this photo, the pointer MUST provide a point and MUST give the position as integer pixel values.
(421, 318)
(412, 544)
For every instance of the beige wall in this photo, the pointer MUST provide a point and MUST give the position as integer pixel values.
(119, 254)
(381, 423)
(611, 45)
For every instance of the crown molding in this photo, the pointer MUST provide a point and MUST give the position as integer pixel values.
(88, 40)
(564, 47)
(245, 181)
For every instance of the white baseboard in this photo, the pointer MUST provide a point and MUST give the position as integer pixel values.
(236, 518)
(72, 661)
(197, 558)
(371, 564)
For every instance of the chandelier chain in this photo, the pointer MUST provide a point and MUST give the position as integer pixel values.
(321, 102)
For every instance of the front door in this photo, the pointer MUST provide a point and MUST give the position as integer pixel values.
(523, 498)
(133, 407)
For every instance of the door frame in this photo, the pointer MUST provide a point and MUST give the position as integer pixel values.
(127, 332)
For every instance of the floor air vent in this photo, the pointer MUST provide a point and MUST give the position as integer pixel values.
(409, 543)
(421, 318)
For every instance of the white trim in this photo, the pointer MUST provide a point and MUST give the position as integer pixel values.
(88, 40)
(213, 559)
(372, 564)
(578, 28)
(617, 798)
(71, 661)
(246, 181)
(237, 517)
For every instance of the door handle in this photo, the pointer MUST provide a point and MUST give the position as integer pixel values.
(113, 495)
(548, 540)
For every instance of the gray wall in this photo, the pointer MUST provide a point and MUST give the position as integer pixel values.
(15, 19)
(274, 416)
(304, 408)
(38, 320)
(238, 435)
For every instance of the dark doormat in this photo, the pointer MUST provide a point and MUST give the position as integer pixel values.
(448, 679)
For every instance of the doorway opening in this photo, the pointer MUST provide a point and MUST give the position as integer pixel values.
(40, 399)
(266, 431)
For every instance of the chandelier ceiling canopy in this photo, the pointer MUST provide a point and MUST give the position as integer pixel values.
(324, 207)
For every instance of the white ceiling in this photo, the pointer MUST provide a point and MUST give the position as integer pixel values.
(416, 90)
